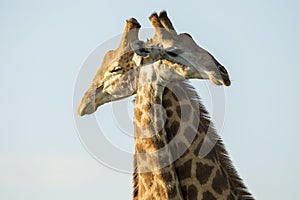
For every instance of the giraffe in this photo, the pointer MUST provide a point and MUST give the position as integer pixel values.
(194, 183)
(166, 108)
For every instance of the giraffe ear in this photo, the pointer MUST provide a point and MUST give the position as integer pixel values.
(139, 47)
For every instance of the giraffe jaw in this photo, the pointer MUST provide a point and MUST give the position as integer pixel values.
(217, 79)
(85, 109)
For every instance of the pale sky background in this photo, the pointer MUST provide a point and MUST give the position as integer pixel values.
(43, 46)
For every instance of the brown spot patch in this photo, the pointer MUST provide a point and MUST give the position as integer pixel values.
(145, 121)
(219, 183)
(137, 114)
(146, 108)
(166, 91)
(175, 127)
(169, 113)
(208, 196)
(167, 176)
(137, 99)
(184, 191)
(167, 103)
(157, 100)
(178, 111)
(203, 172)
(159, 143)
(192, 192)
(184, 171)
(135, 192)
(148, 178)
(147, 95)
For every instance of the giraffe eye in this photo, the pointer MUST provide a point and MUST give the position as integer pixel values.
(173, 52)
(116, 69)
(186, 35)
(144, 50)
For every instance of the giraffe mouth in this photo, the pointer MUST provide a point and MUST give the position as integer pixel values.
(221, 82)
(218, 79)
(87, 105)
(226, 82)
(92, 99)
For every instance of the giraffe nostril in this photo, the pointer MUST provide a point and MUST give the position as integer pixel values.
(227, 82)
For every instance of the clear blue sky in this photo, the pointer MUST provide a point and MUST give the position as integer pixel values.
(43, 46)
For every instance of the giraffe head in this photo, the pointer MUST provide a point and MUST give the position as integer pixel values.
(206, 66)
(116, 77)
(167, 63)
(118, 74)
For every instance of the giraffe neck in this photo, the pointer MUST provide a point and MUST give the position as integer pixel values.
(178, 154)
(155, 175)
(201, 162)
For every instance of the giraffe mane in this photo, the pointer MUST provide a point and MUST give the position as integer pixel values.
(234, 178)
(236, 182)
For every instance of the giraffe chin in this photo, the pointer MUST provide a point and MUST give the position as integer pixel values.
(86, 109)
(219, 82)
(226, 82)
